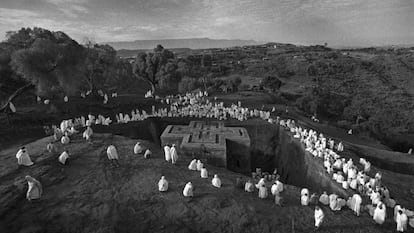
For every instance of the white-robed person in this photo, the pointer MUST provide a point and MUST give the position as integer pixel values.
(204, 173)
(199, 165)
(50, 147)
(356, 204)
(319, 216)
(162, 184)
(138, 148)
(379, 214)
(112, 155)
(34, 190)
(174, 154)
(333, 202)
(249, 186)
(87, 134)
(260, 183)
(188, 190)
(324, 198)
(65, 139)
(193, 165)
(167, 153)
(23, 157)
(277, 187)
(147, 153)
(216, 182)
(304, 197)
(402, 221)
(63, 158)
(263, 191)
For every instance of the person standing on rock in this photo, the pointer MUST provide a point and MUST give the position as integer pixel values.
(167, 153)
(319, 216)
(112, 155)
(162, 184)
(35, 188)
(23, 157)
(174, 154)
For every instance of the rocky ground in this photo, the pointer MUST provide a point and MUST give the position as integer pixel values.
(89, 195)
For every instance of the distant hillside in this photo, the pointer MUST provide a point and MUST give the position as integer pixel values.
(133, 52)
(192, 43)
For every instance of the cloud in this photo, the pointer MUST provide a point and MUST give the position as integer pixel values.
(74, 10)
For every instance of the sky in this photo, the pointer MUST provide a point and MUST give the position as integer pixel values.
(337, 22)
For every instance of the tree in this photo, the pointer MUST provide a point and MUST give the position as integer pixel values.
(100, 62)
(40, 58)
(271, 83)
(153, 66)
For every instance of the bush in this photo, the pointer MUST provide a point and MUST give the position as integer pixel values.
(244, 87)
(188, 84)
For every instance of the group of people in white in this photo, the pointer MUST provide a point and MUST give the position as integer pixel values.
(349, 175)
(343, 171)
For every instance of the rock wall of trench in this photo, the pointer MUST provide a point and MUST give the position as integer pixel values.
(274, 147)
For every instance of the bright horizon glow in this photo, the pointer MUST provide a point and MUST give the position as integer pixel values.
(337, 22)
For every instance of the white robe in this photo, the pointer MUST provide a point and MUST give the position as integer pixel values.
(167, 153)
(204, 173)
(199, 165)
(319, 216)
(379, 215)
(263, 192)
(174, 155)
(147, 154)
(304, 200)
(356, 204)
(193, 165)
(23, 158)
(65, 140)
(249, 187)
(261, 182)
(188, 190)
(63, 157)
(88, 133)
(277, 187)
(111, 152)
(162, 185)
(402, 221)
(324, 199)
(138, 148)
(50, 147)
(216, 182)
(34, 190)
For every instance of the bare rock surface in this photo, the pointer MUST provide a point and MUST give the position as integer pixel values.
(89, 195)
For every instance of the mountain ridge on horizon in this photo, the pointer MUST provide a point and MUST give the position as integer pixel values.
(192, 43)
